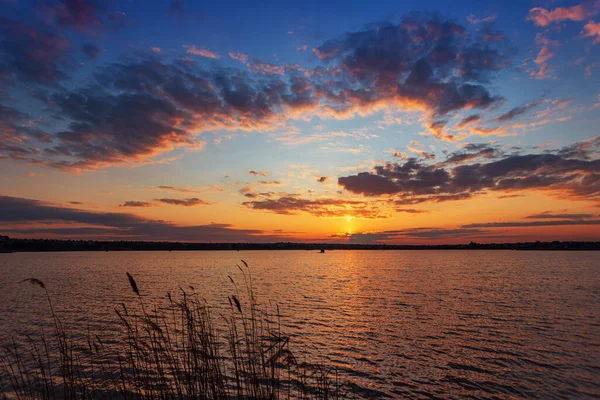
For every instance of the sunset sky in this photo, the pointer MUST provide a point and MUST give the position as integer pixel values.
(343, 121)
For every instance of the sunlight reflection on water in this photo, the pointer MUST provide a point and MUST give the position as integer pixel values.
(396, 323)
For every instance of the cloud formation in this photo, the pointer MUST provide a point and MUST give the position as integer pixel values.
(182, 189)
(77, 14)
(391, 236)
(544, 17)
(133, 203)
(92, 52)
(573, 171)
(41, 219)
(322, 207)
(192, 201)
(431, 65)
(31, 54)
(143, 106)
(592, 29)
(200, 51)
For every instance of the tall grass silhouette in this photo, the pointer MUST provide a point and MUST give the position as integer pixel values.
(182, 349)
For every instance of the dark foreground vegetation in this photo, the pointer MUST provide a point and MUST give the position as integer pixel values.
(8, 244)
(181, 350)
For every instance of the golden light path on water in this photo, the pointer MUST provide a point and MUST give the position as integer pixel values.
(412, 324)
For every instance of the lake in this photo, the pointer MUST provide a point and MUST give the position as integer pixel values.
(408, 324)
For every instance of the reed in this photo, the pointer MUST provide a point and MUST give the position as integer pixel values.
(182, 349)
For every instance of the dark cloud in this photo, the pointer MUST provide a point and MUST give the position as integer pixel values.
(259, 173)
(413, 234)
(30, 54)
(293, 204)
(78, 14)
(575, 174)
(322, 179)
(424, 63)
(19, 139)
(142, 106)
(193, 201)
(76, 202)
(471, 119)
(512, 224)
(550, 215)
(82, 15)
(134, 203)
(90, 51)
(106, 225)
(516, 112)
(470, 153)
(177, 8)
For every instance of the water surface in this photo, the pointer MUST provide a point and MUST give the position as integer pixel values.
(411, 324)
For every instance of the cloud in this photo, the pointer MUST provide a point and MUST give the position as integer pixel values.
(412, 234)
(137, 204)
(21, 216)
(322, 179)
(257, 66)
(470, 153)
(138, 108)
(544, 55)
(516, 112)
(77, 14)
(550, 215)
(411, 210)
(467, 121)
(241, 57)
(19, 137)
(32, 55)
(276, 183)
(425, 64)
(324, 207)
(543, 17)
(571, 172)
(471, 18)
(193, 201)
(514, 224)
(92, 52)
(258, 173)
(182, 189)
(204, 52)
(592, 29)
(177, 7)
(424, 154)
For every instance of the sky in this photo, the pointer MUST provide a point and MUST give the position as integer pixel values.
(318, 121)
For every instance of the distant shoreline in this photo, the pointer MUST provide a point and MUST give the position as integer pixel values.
(9, 245)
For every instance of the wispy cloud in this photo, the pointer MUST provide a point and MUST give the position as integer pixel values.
(544, 17)
(258, 173)
(62, 221)
(200, 51)
(189, 202)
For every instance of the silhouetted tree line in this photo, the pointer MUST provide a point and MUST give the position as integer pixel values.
(8, 244)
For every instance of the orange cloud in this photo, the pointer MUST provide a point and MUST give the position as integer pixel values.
(543, 56)
(592, 29)
(204, 52)
(543, 17)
